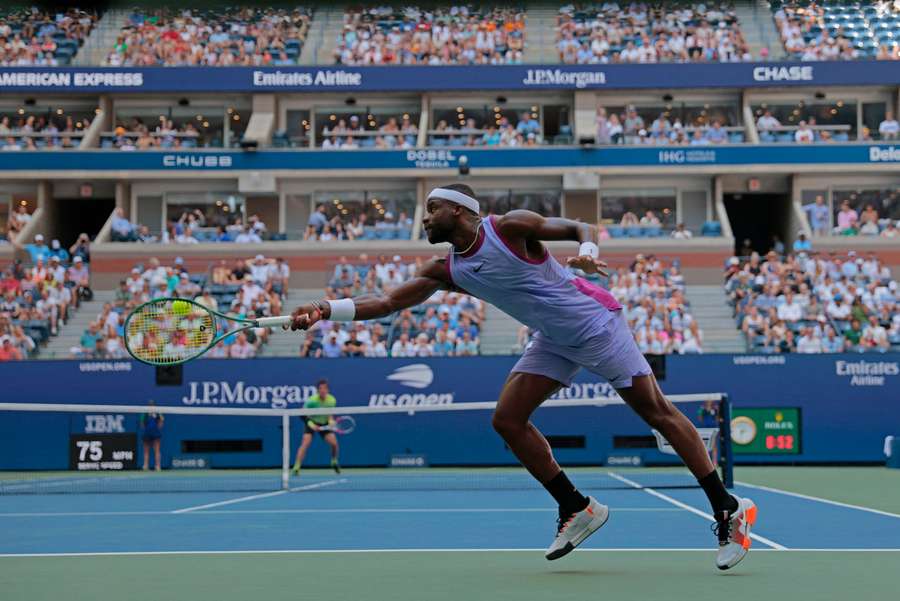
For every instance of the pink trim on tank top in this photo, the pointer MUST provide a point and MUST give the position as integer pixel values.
(597, 293)
(512, 249)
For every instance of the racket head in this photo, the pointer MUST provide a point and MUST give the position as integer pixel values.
(169, 331)
(344, 424)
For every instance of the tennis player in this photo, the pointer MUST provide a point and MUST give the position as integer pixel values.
(502, 260)
(318, 423)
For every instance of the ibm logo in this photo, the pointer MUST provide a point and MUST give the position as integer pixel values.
(104, 424)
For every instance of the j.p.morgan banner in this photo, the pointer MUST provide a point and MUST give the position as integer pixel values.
(423, 79)
(849, 403)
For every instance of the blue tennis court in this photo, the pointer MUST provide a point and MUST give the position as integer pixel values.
(329, 514)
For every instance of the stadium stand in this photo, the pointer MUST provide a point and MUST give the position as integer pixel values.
(826, 31)
(447, 324)
(649, 33)
(463, 34)
(254, 287)
(814, 303)
(37, 299)
(43, 38)
(651, 290)
(212, 37)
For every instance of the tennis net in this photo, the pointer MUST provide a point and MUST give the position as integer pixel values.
(90, 449)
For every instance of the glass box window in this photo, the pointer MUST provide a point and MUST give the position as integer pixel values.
(372, 127)
(638, 207)
(205, 209)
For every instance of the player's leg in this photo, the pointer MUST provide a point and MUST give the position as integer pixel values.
(301, 451)
(146, 466)
(522, 394)
(622, 363)
(536, 376)
(648, 401)
(332, 441)
(156, 455)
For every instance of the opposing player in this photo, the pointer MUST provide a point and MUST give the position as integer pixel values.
(317, 423)
(502, 260)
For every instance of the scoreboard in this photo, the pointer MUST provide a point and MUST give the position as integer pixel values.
(765, 431)
(102, 452)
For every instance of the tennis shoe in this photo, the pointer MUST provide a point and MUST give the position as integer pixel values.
(335, 466)
(572, 530)
(296, 469)
(733, 531)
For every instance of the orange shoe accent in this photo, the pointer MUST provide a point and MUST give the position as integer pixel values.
(746, 543)
(750, 515)
(589, 510)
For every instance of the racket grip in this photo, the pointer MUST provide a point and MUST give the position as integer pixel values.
(273, 322)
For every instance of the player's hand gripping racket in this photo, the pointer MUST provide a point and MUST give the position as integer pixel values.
(343, 424)
(168, 331)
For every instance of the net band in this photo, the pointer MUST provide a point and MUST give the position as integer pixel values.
(348, 410)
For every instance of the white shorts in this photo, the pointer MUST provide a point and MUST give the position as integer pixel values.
(612, 354)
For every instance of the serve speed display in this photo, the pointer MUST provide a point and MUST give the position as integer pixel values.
(102, 452)
(765, 431)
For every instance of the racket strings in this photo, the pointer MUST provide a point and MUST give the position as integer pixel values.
(169, 331)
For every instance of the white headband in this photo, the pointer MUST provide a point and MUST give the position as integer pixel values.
(455, 197)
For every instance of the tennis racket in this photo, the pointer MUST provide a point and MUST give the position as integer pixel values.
(169, 331)
(343, 424)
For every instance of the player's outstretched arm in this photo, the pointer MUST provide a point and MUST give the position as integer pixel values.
(431, 277)
(533, 228)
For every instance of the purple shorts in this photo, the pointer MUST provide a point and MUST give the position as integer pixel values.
(611, 354)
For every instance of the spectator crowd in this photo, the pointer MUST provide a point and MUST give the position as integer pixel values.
(357, 226)
(31, 37)
(816, 31)
(36, 301)
(245, 36)
(192, 227)
(25, 131)
(446, 324)
(500, 131)
(457, 35)
(850, 222)
(641, 32)
(629, 127)
(814, 302)
(352, 134)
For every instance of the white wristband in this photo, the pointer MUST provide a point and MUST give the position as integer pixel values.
(342, 310)
(588, 249)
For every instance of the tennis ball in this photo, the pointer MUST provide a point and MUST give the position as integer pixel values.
(180, 307)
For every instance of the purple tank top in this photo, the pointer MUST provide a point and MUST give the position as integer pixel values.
(542, 294)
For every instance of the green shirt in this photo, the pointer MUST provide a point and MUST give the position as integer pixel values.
(315, 402)
(853, 336)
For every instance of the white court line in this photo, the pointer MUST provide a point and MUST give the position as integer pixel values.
(259, 496)
(693, 510)
(426, 550)
(23, 514)
(819, 499)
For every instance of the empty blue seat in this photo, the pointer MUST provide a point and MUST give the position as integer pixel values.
(711, 229)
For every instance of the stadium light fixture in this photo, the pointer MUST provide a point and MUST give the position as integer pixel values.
(463, 164)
